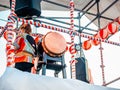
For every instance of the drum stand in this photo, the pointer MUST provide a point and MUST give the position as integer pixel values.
(52, 64)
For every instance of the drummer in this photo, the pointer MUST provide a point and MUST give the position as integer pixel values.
(40, 51)
(25, 49)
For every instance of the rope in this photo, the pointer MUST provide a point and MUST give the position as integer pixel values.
(1, 27)
(72, 47)
(1, 30)
(66, 31)
(102, 64)
(10, 38)
(112, 81)
(10, 35)
(43, 25)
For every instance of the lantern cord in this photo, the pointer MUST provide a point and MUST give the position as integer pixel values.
(101, 48)
(73, 61)
(102, 64)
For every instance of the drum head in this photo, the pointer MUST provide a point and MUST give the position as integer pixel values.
(54, 43)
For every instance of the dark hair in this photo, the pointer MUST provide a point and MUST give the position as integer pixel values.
(26, 27)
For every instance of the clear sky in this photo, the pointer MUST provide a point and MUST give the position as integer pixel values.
(110, 53)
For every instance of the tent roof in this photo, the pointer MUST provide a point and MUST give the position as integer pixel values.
(109, 8)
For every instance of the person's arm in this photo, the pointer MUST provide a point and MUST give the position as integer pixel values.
(90, 76)
(36, 58)
(36, 62)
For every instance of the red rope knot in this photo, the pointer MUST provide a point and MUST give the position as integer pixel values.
(72, 4)
(73, 61)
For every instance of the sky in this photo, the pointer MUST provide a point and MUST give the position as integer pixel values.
(110, 53)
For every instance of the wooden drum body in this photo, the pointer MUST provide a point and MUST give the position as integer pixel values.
(54, 44)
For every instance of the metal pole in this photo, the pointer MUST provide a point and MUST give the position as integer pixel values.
(79, 21)
(112, 81)
(109, 6)
(101, 48)
(101, 13)
(66, 23)
(88, 9)
(4, 6)
(65, 6)
(87, 5)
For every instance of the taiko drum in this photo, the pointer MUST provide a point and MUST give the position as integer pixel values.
(54, 44)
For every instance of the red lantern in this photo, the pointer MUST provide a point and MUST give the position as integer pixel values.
(103, 34)
(72, 50)
(95, 42)
(86, 45)
(112, 28)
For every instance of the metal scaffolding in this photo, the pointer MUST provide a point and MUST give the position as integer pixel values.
(79, 28)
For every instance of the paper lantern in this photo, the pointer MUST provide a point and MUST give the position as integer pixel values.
(72, 49)
(86, 45)
(103, 33)
(112, 28)
(95, 42)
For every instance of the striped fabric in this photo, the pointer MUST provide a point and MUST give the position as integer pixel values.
(22, 45)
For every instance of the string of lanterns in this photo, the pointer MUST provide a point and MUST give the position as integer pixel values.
(102, 34)
(65, 31)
